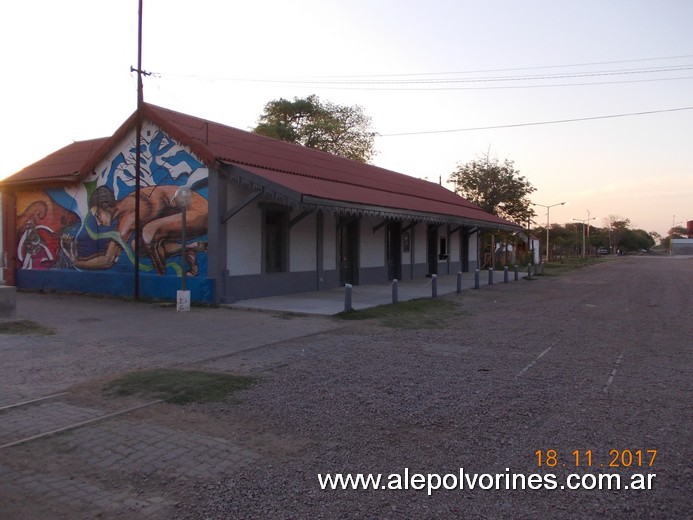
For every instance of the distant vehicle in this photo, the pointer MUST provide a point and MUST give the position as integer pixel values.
(602, 251)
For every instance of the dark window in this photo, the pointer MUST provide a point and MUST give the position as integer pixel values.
(276, 231)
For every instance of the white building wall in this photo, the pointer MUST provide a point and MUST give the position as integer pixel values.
(244, 236)
(473, 245)
(536, 246)
(302, 244)
(406, 253)
(372, 245)
(454, 247)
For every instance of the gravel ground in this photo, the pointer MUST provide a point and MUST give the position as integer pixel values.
(595, 359)
(598, 359)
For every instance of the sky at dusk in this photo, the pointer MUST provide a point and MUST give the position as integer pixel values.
(434, 77)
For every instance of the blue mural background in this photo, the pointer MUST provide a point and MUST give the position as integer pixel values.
(82, 231)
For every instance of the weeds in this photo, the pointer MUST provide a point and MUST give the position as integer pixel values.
(179, 386)
(422, 313)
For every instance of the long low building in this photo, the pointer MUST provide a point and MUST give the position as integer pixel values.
(262, 217)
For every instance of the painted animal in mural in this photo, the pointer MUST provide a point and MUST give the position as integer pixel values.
(161, 228)
(38, 226)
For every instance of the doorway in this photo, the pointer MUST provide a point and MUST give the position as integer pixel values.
(394, 251)
(464, 250)
(432, 241)
(347, 250)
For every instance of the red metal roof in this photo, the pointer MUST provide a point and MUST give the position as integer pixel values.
(315, 173)
(302, 170)
(61, 166)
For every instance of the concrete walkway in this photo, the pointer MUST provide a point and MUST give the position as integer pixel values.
(330, 302)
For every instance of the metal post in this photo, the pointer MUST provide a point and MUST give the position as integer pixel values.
(529, 271)
(490, 275)
(505, 274)
(395, 295)
(182, 199)
(434, 285)
(459, 281)
(542, 267)
(347, 297)
(517, 273)
(183, 271)
(476, 279)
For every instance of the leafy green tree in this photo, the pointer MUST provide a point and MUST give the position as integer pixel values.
(336, 129)
(617, 227)
(497, 187)
(636, 239)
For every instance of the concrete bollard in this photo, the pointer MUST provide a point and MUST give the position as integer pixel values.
(476, 279)
(347, 297)
(459, 281)
(529, 270)
(490, 275)
(434, 286)
(395, 294)
(517, 273)
(505, 274)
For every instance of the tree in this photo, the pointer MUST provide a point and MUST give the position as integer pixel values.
(617, 227)
(496, 187)
(636, 240)
(336, 129)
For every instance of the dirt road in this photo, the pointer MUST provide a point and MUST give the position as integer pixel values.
(567, 378)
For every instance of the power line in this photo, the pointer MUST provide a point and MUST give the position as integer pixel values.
(498, 87)
(474, 71)
(539, 67)
(536, 123)
(456, 80)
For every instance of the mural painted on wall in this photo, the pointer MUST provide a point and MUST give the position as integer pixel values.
(92, 226)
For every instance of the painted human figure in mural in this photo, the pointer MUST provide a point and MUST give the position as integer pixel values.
(161, 226)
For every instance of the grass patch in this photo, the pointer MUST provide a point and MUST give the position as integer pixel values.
(570, 264)
(25, 327)
(422, 313)
(179, 386)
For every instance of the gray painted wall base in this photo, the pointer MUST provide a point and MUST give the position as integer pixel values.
(276, 284)
(8, 301)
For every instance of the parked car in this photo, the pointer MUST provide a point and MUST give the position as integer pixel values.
(602, 251)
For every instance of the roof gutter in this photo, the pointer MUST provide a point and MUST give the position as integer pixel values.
(63, 179)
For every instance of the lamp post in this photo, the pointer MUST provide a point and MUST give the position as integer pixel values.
(584, 221)
(548, 209)
(182, 198)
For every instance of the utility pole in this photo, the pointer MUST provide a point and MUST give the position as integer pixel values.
(584, 223)
(138, 158)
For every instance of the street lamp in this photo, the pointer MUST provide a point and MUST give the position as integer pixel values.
(548, 208)
(182, 198)
(584, 221)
